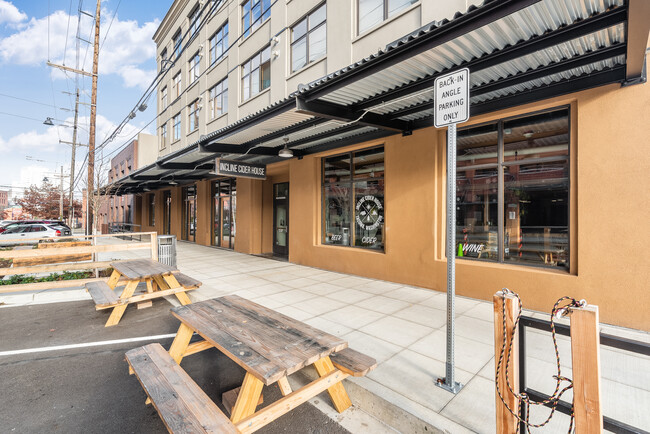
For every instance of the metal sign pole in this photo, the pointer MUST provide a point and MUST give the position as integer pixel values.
(451, 94)
(449, 383)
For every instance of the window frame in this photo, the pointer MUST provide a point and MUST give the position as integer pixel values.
(177, 43)
(193, 116)
(194, 20)
(259, 70)
(213, 95)
(501, 165)
(219, 38)
(350, 184)
(163, 135)
(386, 15)
(308, 31)
(254, 25)
(163, 98)
(194, 69)
(177, 85)
(177, 127)
(163, 58)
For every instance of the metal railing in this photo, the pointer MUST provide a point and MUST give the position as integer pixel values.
(563, 406)
(121, 228)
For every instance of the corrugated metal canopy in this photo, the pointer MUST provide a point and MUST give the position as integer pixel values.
(518, 51)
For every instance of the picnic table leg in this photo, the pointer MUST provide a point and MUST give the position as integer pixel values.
(181, 342)
(249, 396)
(118, 311)
(112, 281)
(337, 393)
(170, 279)
(149, 285)
(284, 385)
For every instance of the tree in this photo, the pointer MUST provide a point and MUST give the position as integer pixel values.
(43, 202)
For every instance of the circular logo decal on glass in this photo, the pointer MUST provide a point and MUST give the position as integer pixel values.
(369, 213)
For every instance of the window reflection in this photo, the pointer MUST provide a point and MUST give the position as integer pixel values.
(533, 155)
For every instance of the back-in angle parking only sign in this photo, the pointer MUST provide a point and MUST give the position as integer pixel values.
(451, 98)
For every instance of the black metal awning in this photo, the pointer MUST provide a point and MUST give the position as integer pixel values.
(518, 52)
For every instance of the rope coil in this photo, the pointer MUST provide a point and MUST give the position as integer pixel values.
(523, 400)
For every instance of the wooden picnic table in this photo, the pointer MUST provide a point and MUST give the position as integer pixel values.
(161, 280)
(267, 344)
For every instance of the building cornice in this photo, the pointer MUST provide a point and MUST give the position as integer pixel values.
(171, 18)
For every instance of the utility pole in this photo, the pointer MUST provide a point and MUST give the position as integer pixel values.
(61, 197)
(72, 162)
(91, 138)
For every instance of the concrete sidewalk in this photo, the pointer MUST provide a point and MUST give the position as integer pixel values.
(404, 328)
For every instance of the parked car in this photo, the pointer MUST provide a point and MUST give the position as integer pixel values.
(17, 223)
(5, 223)
(31, 233)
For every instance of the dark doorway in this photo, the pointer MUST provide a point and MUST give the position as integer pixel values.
(167, 215)
(281, 219)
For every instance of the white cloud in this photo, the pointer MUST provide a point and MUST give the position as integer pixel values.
(125, 50)
(9, 14)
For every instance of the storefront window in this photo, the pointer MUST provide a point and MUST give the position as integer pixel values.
(513, 191)
(353, 199)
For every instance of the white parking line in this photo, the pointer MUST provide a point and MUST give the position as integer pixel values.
(85, 345)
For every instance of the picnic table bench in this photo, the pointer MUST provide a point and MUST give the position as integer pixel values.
(268, 345)
(161, 280)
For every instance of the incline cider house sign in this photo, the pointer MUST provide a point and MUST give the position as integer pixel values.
(239, 169)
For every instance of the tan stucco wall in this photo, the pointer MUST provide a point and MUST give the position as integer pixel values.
(609, 229)
(608, 224)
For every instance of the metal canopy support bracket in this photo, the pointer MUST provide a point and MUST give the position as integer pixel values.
(342, 113)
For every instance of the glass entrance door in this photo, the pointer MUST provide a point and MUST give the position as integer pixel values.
(281, 219)
(189, 214)
(225, 204)
(167, 215)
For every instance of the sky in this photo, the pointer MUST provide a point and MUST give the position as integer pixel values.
(35, 31)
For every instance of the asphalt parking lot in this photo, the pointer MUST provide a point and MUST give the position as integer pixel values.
(84, 386)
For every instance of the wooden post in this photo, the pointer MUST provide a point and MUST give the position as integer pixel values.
(585, 358)
(506, 421)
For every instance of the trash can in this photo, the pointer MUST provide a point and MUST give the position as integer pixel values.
(167, 250)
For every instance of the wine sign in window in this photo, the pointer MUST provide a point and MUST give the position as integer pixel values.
(353, 199)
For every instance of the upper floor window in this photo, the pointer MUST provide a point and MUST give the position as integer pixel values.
(219, 43)
(353, 199)
(176, 85)
(194, 68)
(254, 12)
(163, 98)
(256, 74)
(512, 190)
(219, 99)
(195, 20)
(163, 136)
(372, 12)
(178, 43)
(309, 39)
(193, 116)
(163, 59)
(177, 127)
